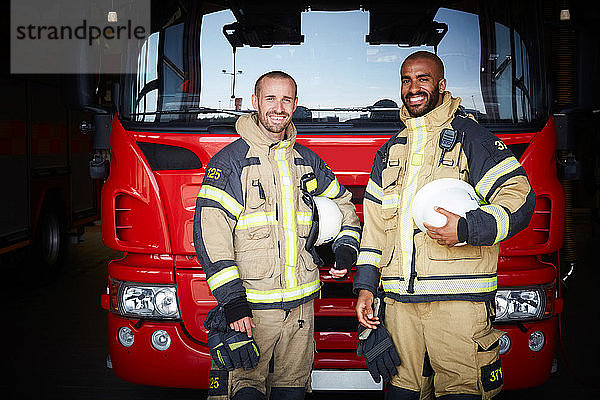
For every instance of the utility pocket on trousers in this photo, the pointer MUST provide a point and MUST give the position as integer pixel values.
(488, 363)
(218, 384)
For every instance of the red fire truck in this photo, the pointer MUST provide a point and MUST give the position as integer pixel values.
(195, 75)
(44, 159)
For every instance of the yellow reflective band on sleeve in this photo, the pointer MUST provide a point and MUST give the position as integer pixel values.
(222, 277)
(283, 295)
(304, 218)
(374, 190)
(502, 221)
(332, 190)
(288, 212)
(349, 232)
(504, 167)
(443, 286)
(221, 197)
(368, 258)
(259, 218)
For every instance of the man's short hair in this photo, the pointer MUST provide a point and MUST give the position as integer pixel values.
(422, 54)
(277, 75)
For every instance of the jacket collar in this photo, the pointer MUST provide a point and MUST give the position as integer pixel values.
(247, 127)
(437, 117)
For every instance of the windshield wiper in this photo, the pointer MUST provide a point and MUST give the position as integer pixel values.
(355, 109)
(194, 110)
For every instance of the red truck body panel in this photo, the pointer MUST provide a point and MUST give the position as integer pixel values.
(149, 215)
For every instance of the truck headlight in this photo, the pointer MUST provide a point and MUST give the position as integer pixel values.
(521, 304)
(140, 300)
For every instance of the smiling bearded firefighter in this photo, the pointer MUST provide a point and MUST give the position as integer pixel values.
(252, 223)
(439, 298)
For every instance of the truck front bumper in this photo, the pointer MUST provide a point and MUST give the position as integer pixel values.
(184, 364)
(523, 367)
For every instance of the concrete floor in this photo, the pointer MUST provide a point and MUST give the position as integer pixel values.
(54, 334)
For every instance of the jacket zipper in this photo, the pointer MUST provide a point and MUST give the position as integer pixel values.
(413, 270)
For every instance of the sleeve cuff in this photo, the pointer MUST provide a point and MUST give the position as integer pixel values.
(366, 277)
(237, 309)
(462, 230)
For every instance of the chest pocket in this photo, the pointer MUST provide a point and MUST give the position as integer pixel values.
(391, 184)
(258, 218)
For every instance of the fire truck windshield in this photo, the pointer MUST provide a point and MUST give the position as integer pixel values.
(191, 74)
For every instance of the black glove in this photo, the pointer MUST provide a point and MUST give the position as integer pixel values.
(229, 349)
(378, 348)
(242, 349)
(218, 351)
(345, 258)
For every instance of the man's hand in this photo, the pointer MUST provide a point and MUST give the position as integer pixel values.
(446, 235)
(345, 258)
(337, 273)
(243, 325)
(364, 310)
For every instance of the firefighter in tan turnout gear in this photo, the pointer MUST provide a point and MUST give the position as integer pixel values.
(253, 218)
(439, 298)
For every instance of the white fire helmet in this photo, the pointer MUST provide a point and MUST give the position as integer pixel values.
(450, 194)
(330, 219)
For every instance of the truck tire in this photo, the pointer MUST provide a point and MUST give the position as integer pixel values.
(51, 244)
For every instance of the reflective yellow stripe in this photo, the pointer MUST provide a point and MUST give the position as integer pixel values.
(502, 221)
(332, 190)
(374, 190)
(311, 185)
(288, 213)
(418, 139)
(222, 277)
(237, 345)
(259, 218)
(368, 258)
(391, 200)
(304, 218)
(504, 167)
(283, 295)
(221, 197)
(445, 286)
(349, 232)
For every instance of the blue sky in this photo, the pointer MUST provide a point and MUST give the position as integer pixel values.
(335, 67)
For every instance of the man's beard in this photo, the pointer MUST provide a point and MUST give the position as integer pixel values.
(271, 127)
(430, 104)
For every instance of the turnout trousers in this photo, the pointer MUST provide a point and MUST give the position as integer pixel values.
(451, 344)
(285, 339)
